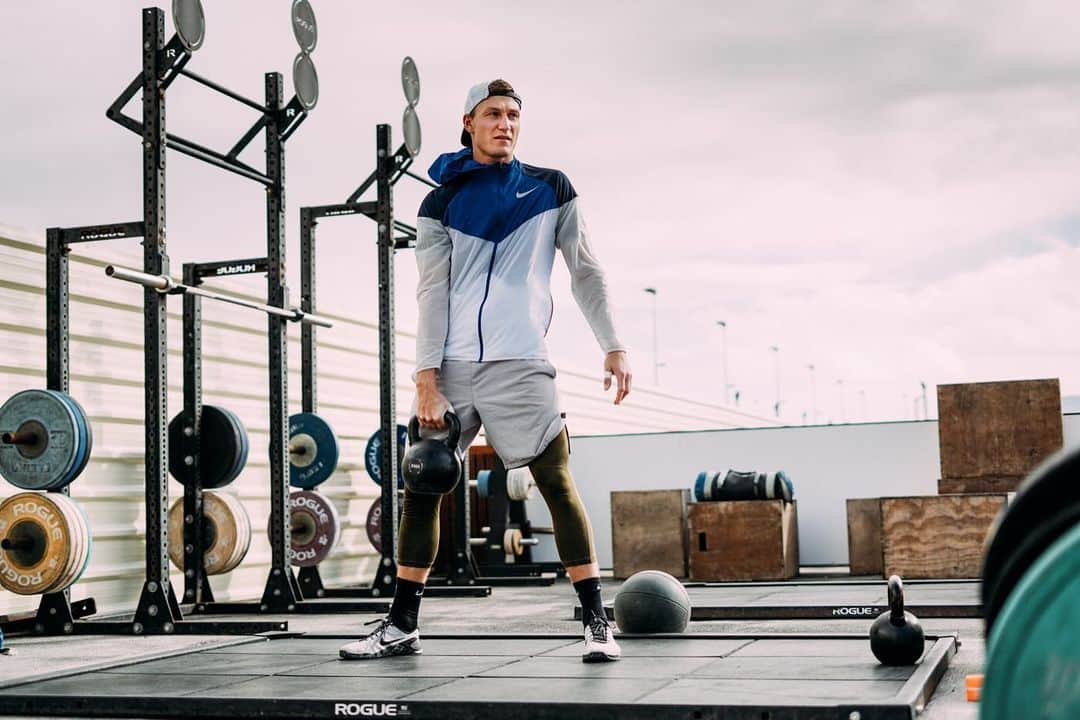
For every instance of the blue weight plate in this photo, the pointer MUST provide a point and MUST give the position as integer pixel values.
(373, 456)
(89, 446)
(243, 445)
(699, 486)
(483, 478)
(49, 462)
(80, 449)
(317, 453)
(83, 440)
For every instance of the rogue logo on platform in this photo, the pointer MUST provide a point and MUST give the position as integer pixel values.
(855, 611)
(371, 710)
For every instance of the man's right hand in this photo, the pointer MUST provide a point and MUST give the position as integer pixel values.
(431, 405)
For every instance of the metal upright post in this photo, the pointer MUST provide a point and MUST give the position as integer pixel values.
(282, 591)
(158, 609)
(54, 614)
(308, 372)
(386, 575)
(196, 583)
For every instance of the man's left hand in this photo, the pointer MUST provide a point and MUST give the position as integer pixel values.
(617, 365)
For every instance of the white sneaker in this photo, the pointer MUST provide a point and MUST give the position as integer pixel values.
(386, 640)
(600, 645)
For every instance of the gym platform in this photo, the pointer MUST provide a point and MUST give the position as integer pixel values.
(826, 600)
(523, 675)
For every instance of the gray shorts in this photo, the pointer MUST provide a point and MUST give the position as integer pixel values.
(515, 401)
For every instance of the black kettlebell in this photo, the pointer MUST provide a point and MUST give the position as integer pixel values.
(896, 637)
(432, 466)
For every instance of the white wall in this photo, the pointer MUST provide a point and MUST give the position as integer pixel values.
(827, 464)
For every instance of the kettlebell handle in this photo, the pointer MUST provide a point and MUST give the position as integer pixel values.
(896, 600)
(451, 420)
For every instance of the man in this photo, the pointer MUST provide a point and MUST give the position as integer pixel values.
(486, 242)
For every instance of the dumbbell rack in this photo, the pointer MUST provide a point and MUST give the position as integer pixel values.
(390, 167)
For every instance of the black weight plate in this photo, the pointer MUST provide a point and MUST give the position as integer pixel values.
(190, 23)
(1046, 505)
(303, 25)
(410, 81)
(411, 126)
(305, 81)
(244, 446)
(221, 443)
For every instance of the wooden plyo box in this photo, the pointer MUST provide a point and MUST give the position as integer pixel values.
(864, 536)
(992, 434)
(648, 531)
(937, 536)
(743, 540)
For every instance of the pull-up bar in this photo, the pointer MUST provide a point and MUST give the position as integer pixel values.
(166, 285)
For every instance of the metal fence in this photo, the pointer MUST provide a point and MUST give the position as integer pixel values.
(106, 378)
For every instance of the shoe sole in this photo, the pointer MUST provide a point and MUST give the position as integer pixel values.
(598, 657)
(342, 655)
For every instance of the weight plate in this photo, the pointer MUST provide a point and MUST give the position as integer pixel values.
(221, 531)
(243, 531)
(512, 542)
(48, 432)
(410, 81)
(305, 81)
(519, 483)
(36, 543)
(303, 25)
(313, 451)
(315, 527)
(410, 125)
(190, 23)
(79, 544)
(1046, 505)
(240, 433)
(222, 439)
(89, 542)
(86, 444)
(699, 486)
(373, 455)
(68, 561)
(483, 483)
(1032, 658)
(374, 522)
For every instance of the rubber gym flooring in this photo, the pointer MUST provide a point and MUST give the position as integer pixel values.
(512, 655)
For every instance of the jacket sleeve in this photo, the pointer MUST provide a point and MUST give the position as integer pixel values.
(433, 249)
(586, 276)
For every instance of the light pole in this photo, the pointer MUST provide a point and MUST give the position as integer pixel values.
(776, 358)
(862, 402)
(813, 393)
(655, 352)
(925, 411)
(723, 354)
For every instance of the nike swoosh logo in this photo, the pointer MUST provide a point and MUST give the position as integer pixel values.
(523, 194)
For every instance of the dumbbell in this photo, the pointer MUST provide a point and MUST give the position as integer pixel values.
(519, 483)
(513, 542)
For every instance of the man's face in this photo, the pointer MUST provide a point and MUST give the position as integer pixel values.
(494, 126)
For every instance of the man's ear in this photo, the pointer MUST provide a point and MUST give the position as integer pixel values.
(467, 120)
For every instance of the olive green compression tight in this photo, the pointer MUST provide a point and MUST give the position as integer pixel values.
(418, 532)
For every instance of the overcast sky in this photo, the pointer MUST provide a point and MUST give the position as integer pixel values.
(885, 191)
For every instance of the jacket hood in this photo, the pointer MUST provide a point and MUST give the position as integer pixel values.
(454, 164)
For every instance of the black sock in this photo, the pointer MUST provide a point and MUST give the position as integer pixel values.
(405, 609)
(592, 603)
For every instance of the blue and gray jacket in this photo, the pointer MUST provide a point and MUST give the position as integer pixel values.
(485, 246)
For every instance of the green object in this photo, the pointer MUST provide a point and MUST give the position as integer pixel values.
(1033, 657)
(652, 601)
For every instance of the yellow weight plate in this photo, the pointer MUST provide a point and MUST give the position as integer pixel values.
(35, 543)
